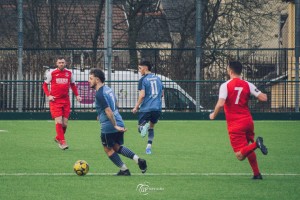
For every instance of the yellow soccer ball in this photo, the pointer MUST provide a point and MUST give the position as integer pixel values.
(81, 167)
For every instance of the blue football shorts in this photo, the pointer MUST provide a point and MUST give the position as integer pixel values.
(152, 116)
(110, 139)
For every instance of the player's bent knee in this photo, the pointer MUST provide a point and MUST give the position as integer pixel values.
(117, 148)
(240, 156)
(109, 151)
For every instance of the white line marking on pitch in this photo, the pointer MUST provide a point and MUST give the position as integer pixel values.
(4, 131)
(148, 174)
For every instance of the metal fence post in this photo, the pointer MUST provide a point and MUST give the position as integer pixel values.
(198, 51)
(297, 52)
(20, 57)
(108, 39)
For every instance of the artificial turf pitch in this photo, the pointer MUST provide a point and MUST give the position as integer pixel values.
(190, 160)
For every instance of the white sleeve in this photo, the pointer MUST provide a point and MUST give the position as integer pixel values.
(48, 76)
(72, 78)
(253, 90)
(223, 91)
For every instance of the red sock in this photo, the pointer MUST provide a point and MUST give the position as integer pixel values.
(59, 132)
(253, 162)
(248, 149)
(65, 129)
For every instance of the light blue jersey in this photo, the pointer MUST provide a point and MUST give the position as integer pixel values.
(153, 93)
(105, 97)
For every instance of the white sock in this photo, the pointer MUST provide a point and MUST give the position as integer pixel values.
(149, 146)
(124, 167)
(136, 159)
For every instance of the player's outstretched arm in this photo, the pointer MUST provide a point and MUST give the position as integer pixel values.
(262, 97)
(217, 109)
(257, 93)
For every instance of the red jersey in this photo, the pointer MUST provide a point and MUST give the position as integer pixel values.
(236, 93)
(60, 81)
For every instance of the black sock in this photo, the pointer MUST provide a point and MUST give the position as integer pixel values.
(115, 158)
(126, 152)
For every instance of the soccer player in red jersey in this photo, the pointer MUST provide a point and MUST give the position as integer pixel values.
(60, 80)
(234, 96)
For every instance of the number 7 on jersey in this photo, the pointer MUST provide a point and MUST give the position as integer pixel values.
(239, 89)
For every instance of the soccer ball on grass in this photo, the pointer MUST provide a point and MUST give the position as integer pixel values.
(81, 167)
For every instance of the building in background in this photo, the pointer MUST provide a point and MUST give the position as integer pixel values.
(283, 87)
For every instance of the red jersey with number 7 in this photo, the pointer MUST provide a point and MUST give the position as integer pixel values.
(236, 93)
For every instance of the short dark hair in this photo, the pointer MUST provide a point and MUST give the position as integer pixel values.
(236, 66)
(60, 58)
(146, 63)
(98, 73)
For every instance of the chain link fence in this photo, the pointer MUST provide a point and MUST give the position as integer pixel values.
(269, 69)
(256, 32)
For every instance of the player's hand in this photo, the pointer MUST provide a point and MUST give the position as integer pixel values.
(120, 129)
(78, 98)
(134, 110)
(212, 116)
(51, 98)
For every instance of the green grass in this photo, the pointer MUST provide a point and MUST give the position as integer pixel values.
(190, 160)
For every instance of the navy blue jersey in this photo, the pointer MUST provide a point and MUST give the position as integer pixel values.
(105, 97)
(153, 93)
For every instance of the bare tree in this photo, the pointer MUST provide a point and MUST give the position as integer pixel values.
(79, 23)
(226, 24)
(98, 31)
(8, 21)
(135, 11)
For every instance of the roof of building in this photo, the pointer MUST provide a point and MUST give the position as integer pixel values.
(80, 18)
(81, 28)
